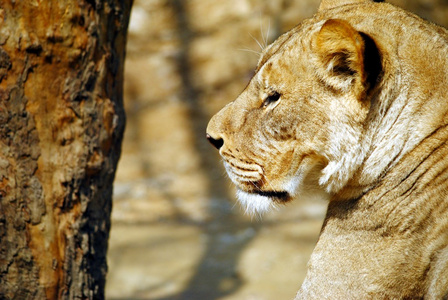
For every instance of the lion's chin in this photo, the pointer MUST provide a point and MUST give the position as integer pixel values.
(257, 203)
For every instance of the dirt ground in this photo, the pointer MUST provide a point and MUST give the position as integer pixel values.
(230, 256)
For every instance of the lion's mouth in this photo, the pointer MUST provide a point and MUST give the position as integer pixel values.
(276, 196)
(257, 202)
(255, 192)
(251, 181)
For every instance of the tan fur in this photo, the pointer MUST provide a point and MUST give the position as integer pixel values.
(328, 4)
(352, 105)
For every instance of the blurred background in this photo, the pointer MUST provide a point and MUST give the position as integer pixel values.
(177, 231)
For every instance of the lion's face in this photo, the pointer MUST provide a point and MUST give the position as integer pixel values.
(299, 117)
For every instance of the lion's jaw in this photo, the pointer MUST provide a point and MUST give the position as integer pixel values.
(256, 202)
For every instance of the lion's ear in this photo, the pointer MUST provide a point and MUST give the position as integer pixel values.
(340, 53)
(328, 4)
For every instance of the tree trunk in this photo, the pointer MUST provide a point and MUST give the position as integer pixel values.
(61, 126)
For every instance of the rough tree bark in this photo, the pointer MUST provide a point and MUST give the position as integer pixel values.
(61, 126)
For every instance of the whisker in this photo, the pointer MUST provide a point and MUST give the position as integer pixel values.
(251, 51)
(262, 33)
(235, 204)
(259, 44)
(268, 183)
(267, 34)
(257, 216)
(255, 186)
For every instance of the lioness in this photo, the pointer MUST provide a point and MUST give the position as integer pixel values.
(352, 105)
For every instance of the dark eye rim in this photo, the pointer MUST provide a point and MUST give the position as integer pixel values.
(273, 97)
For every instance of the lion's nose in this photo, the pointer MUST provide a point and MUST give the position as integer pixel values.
(217, 142)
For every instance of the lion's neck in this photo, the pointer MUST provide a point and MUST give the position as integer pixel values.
(398, 230)
(397, 126)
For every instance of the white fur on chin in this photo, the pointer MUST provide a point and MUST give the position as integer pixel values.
(254, 204)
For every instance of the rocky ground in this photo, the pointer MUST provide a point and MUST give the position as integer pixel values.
(176, 230)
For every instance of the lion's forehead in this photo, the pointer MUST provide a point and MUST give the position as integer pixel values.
(277, 70)
(297, 39)
(288, 68)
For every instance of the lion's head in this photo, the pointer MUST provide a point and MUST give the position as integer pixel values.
(297, 125)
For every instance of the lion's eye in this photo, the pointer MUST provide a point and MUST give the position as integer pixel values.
(272, 98)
